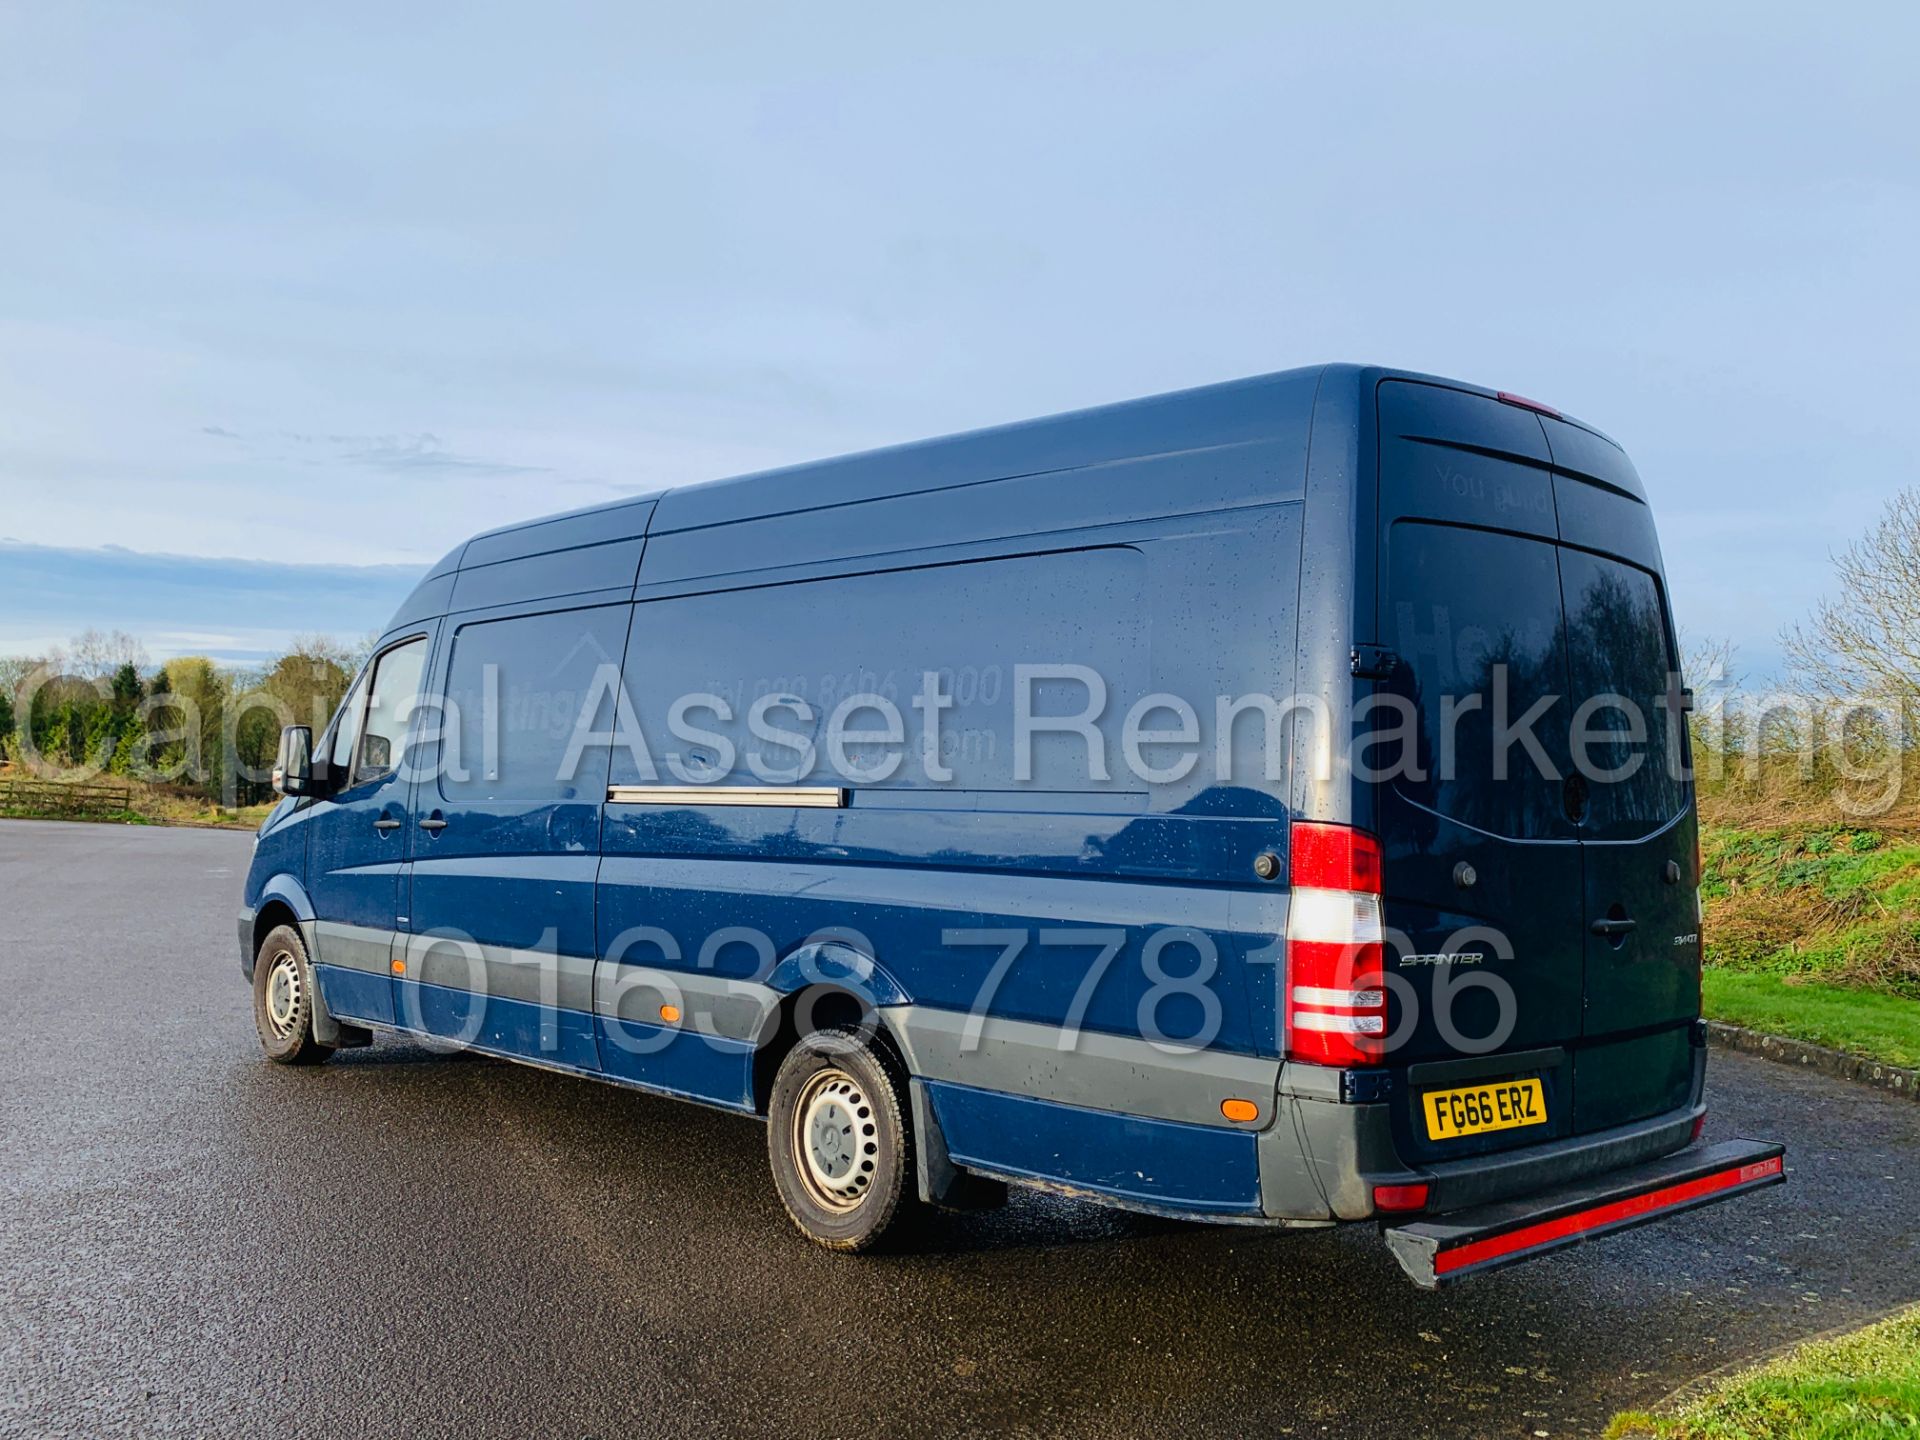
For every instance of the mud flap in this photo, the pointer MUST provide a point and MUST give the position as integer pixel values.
(1447, 1248)
(942, 1182)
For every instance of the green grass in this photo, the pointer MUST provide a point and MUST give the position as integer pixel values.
(1861, 1022)
(1834, 904)
(1813, 932)
(1857, 1387)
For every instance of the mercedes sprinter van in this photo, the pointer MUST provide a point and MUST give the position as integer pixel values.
(1265, 804)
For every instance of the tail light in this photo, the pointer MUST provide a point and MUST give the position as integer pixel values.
(1336, 1007)
(1507, 397)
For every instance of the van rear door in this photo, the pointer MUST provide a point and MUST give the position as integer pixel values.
(1640, 859)
(1500, 854)
(1481, 862)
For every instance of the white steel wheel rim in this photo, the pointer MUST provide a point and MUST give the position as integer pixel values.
(283, 993)
(836, 1140)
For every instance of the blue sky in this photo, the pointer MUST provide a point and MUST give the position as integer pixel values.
(336, 288)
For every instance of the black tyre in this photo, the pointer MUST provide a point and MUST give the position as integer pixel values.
(283, 1000)
(838, 1140)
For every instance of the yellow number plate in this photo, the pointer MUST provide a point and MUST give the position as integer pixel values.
(1476, 1109)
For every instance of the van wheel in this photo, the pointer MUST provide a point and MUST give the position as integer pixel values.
(840, 1148)
(283, 1000)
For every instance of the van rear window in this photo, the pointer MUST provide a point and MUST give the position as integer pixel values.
(1622, 671)
(1541, 683)
(1475, 620)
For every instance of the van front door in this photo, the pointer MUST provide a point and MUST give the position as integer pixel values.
(359, 833)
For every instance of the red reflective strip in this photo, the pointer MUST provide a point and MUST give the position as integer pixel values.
(1581, 1221)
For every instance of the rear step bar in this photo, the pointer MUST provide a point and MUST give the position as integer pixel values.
(1451, 1247)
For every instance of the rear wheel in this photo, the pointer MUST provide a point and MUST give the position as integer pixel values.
(838, 1140)
(283, 1000)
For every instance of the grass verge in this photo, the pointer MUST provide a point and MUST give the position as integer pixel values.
(1813, 933)
(1860, 1022)
(1859, 1385)
(1830, 904)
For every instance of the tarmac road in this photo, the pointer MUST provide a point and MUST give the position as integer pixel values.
(195, 1242)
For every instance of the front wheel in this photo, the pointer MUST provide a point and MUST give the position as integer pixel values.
(838, 1141)
(283, 1000)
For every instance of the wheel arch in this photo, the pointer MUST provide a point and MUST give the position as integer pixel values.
(823, 984)
(271, 915)
(284, 901)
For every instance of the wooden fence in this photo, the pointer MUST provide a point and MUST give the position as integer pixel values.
(64, 799)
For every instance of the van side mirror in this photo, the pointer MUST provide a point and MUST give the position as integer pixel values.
(293, 766)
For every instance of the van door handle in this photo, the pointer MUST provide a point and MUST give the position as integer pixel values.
(386, 822)
(433, 824)
(1612, 927)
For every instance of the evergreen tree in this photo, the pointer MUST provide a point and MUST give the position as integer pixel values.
(128, 692)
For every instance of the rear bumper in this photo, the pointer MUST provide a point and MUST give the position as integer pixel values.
(1327, 1154)
(1469, 1242)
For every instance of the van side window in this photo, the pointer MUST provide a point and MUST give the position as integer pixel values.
(390, 704)
(818, 643)
(517, 690)
(346, 726)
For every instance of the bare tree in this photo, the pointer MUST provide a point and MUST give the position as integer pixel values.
(97, 654)
(1707, 665)
(1864, 642)
(15, 669)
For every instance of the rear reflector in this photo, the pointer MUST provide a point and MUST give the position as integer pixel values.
(1336, 1008)
(1507, 397)
(1459, 1243)
(1399, 1197)
(1583, 1223)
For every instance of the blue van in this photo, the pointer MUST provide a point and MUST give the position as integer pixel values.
(1263, 804)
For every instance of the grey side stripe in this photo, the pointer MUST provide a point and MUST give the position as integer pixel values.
(352, 947)
(534, 977)
(1103, 1072)
(709, 1004)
